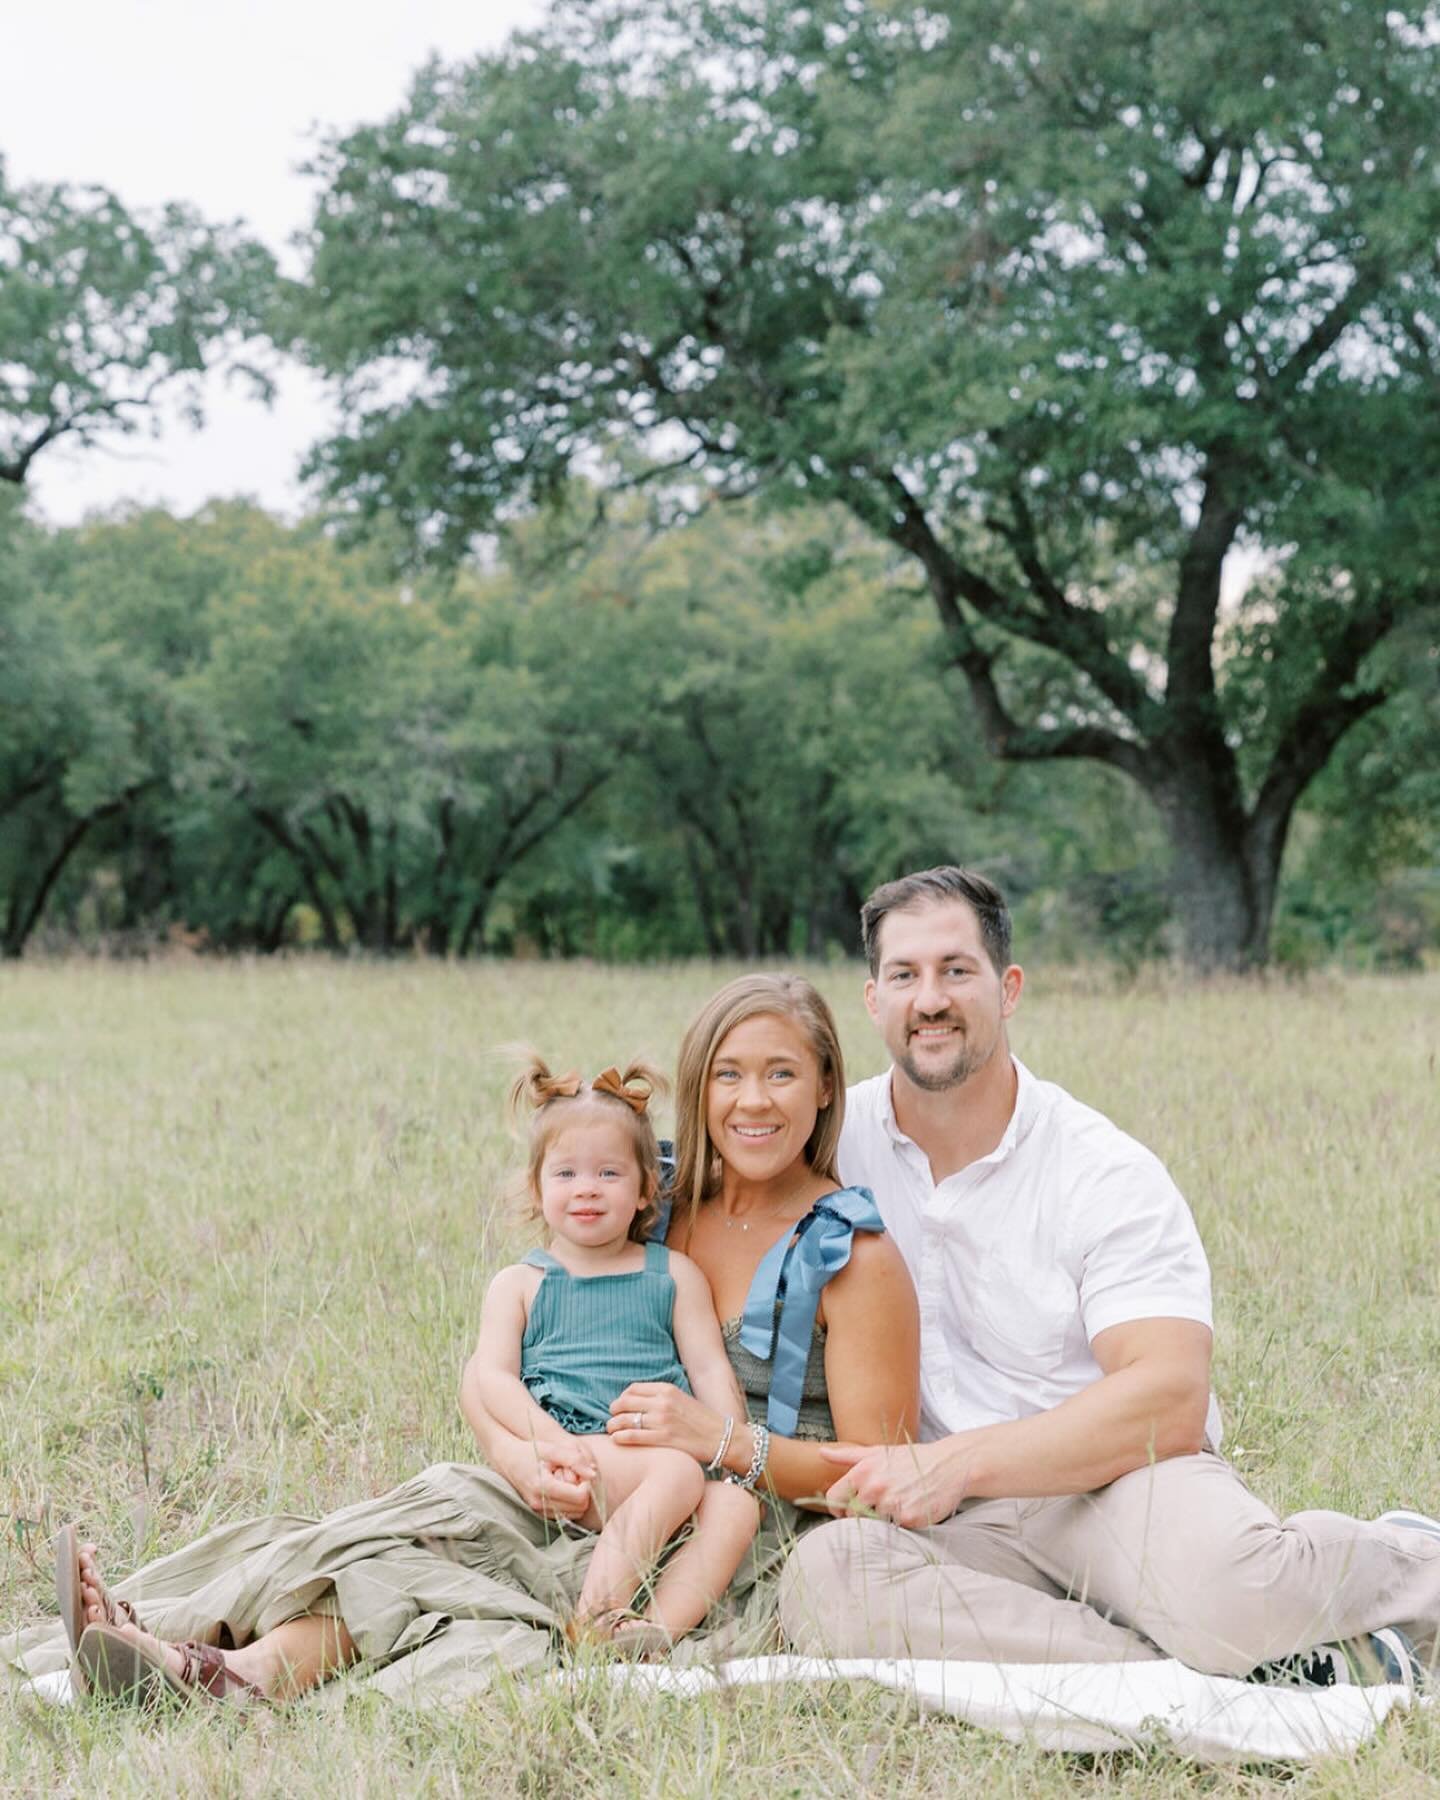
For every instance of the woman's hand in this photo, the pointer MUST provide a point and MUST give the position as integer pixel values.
(657, 1415)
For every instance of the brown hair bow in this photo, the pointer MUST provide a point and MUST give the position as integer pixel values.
(608, 1082)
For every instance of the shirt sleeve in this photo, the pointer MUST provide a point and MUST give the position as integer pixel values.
(1140, 1253)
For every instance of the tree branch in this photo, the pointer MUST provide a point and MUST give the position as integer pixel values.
(1320, 721)
(17, 467)
(1326, 333)
(904, 522)
(40, 777)
(1078, 634)
(1190, 679)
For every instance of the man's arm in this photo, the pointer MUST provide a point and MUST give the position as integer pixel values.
(1150, 1404)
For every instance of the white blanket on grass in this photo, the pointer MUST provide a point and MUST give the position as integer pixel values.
(1061, 1706)
(1088, 1706)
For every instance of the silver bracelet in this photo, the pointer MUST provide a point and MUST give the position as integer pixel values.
(725, 1437)
(759, 1456)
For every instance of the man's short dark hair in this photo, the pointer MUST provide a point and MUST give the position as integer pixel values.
(930, 887)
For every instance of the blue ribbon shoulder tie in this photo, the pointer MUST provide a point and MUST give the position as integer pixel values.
(779, 1318)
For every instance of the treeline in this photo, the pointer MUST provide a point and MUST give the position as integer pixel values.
(242, 734)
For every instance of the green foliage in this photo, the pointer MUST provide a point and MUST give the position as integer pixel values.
(711, 740)
(1364, 876)
(1065, 302)
(84, 728)
(101, 310)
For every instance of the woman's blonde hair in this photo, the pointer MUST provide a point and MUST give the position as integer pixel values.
(697, 1172)
(553, 1102)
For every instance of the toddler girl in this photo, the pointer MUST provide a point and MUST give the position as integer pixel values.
(564, 1332)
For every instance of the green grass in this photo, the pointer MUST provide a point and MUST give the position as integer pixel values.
(249, 1211)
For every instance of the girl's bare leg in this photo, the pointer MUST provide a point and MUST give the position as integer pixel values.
(704, 1566)
(295, 1656)
(645, 1496)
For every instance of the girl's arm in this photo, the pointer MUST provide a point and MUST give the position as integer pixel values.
(700, 1344)
(493, 1374)
(551, 1485)
(872, 1372)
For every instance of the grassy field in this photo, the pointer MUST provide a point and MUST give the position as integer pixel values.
(249, 1210)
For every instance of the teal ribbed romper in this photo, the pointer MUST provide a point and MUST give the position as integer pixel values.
(589, 1336)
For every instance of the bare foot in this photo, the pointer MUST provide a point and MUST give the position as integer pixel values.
(99, 1607)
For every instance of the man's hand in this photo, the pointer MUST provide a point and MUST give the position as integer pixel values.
(910, 1484)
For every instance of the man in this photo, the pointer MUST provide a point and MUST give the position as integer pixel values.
(1067, 1502)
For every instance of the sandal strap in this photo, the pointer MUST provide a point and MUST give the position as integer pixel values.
(206, 1669)
(618, 1616)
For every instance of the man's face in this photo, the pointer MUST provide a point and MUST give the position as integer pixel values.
(937, 999)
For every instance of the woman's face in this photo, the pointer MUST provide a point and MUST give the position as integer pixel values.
(763, 1095)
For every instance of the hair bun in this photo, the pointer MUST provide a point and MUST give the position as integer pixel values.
(535, 1086)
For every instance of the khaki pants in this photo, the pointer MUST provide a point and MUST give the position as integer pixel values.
(1178, 1559)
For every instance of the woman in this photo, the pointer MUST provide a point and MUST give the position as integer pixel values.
(456, 1571)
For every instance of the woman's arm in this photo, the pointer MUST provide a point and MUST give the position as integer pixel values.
(872, 1365)
(872, 1344)
(872, 1373)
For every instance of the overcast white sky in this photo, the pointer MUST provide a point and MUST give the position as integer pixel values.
(183, 100)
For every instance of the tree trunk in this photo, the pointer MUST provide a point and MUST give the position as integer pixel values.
(23, 913)
(1223, 879)
(700, 883)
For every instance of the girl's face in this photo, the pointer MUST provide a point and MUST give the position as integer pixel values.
(590, 1183)
(763, 1096)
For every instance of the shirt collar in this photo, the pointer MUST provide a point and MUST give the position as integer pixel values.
(1027, 1106)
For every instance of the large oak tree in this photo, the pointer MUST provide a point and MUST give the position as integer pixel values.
(1068, 301)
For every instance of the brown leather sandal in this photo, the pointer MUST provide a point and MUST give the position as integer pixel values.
(72, 1601)
(622, 1632)
(120, 1669)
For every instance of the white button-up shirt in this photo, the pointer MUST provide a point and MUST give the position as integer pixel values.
(1067, 1227)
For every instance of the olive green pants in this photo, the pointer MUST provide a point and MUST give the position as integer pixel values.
(442, 1583)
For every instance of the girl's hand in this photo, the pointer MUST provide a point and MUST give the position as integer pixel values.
(566, 1450)
(552, 1476)
(657, 1415)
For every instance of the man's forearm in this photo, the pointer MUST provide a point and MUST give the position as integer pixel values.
(1126, 1420)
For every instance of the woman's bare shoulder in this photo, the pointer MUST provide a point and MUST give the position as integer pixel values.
(875, 1275)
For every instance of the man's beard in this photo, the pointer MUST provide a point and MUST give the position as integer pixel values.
(968, 1059)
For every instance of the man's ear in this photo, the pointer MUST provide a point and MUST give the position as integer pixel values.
(1011, 982)
(870, 998)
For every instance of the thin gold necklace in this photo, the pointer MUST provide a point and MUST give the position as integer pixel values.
(755, 1218)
